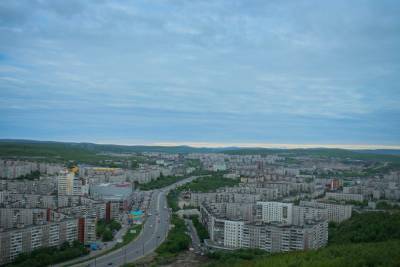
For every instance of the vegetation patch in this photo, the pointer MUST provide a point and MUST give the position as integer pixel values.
(384, 205)
(366, 227)
(200, 229)
(50, 255)
(361, 254)
(177, 241)
(172, 199)
(105, 229)
(209, 183)
(130, 235)
(367, 239)
(161, 182)
(35, 175)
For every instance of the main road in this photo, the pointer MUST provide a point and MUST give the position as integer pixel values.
(154, 232)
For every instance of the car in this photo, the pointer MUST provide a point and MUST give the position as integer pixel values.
(110, 263)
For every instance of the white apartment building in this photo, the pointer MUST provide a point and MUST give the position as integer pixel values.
(304, 214)
(233, 234)
(11, 169)
(272, 237)
(275, 212)
(27, 239)
(65, 183)
(336, 212)
(344, 196)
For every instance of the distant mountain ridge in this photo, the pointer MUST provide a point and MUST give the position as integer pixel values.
(99, 148)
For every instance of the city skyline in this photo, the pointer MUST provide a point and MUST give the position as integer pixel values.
(223, 72)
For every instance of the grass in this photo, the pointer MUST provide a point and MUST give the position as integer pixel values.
(129, 237)
(50, 255)
(161, 182)
(366, 239)
(209, 183)
(200, 228)
(360, 254)
(177, 241)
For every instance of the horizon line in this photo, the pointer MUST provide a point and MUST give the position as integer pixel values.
(224, 145)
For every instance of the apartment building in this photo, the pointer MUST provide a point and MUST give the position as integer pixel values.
(336, 212)
(66, 181)
(275, 212)
(344, 196)
(11, 169)
(27, 239)
(197, 198)
(12, 217)
(304, 214)
(274, 236)
(233, 231)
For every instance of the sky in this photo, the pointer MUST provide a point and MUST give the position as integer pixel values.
(201, 72)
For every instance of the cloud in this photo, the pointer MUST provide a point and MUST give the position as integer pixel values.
(301, 67)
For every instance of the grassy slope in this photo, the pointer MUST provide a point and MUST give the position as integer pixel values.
(367, 239)
(361, 254)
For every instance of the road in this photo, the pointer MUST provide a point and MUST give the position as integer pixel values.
(196, 244)
(154, 232)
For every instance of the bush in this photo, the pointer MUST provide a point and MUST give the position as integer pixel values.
(105, 229)
(107, 236)
(366, 227)
(172, 199)
(48, 256)
(209, 183)
(161, 182)
(177, 241)
(363, 254)
(200, 229)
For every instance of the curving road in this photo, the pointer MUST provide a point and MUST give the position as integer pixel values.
(154, 232)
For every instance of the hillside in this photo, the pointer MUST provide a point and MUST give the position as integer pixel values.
(362, 254)
(367, 239)
(68, 150)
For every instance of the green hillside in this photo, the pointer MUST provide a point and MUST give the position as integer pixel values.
(367, 239)
(362, 254)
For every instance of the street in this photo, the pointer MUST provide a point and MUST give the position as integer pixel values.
(154, 232)
(196, 244)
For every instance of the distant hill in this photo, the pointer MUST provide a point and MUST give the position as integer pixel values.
(69, 150)
(98, 148)
(373, 155)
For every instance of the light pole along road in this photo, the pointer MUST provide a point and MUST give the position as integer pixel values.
(154, 232)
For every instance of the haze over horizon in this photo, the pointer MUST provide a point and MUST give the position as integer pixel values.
(218, 72)
(221, 145)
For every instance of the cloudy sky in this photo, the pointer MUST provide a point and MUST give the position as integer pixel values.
(226, 72)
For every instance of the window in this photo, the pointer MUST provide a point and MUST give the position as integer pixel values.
(285, 212)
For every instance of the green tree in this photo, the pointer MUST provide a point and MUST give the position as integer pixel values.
(107, 236)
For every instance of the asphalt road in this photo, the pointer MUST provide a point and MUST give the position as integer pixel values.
(196, 244)
(154, 232)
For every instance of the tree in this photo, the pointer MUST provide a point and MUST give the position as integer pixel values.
(107, 235)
